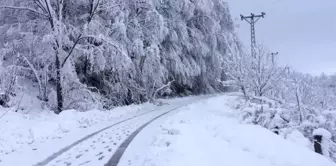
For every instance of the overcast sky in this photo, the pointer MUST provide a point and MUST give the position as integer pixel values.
(302, 31)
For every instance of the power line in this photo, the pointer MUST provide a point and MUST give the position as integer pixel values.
(252, 20)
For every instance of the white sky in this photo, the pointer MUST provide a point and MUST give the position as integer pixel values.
(302, 31)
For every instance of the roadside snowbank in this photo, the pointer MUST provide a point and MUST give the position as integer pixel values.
(209, 133)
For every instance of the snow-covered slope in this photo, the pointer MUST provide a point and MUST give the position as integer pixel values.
(209, 134)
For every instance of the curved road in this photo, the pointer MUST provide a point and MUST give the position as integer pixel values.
(97, 148)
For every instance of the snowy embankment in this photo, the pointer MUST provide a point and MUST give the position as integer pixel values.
(209, 134)
(35, 136)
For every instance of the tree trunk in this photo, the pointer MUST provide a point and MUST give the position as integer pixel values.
(45, 95)
(58, 85)
(244, 92)
(299, 105)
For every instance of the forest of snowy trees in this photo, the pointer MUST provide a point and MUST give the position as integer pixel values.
(112, 52)
(85, 54)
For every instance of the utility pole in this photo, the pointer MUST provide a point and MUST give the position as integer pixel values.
(252, 20)
(273, 54)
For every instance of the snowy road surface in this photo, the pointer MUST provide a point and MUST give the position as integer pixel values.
(208, 134)
(98, 149)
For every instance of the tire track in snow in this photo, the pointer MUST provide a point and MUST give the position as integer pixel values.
(65, 149)
(114, 160)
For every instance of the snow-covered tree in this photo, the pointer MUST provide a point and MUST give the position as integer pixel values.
(263, 71)
(117, 52)
(257, 75)
(68, 29)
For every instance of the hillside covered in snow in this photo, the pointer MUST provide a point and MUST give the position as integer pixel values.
(102, 53)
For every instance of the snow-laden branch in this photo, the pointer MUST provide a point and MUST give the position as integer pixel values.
(159, 89)
(25, 8)
(40, 5)
(228, 83)
(34, 71)
(72, 48)
(94, 8)
(79, 38)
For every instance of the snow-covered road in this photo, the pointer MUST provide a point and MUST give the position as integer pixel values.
(98, 147)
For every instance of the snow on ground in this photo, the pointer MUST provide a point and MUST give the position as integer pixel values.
(209, 134)
(34, 137)
(298, 138)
